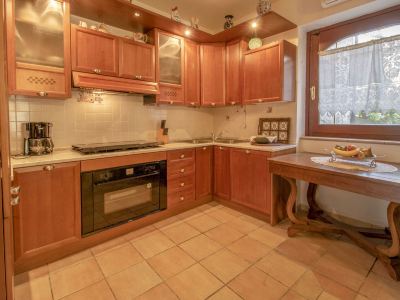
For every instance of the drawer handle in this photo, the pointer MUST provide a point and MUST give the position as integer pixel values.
(182, 184)
(182, 170)
(182, 155)
(48, 168)
(182, 198)
(139, 77)
(247, 151)
(259, 100)
(221, 148)
(42, 94)
(97, 71)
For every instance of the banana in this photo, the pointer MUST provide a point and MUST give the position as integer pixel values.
(347, 153)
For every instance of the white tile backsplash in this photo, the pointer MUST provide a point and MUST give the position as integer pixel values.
(117, 118)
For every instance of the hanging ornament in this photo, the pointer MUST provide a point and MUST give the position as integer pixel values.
(263, 7)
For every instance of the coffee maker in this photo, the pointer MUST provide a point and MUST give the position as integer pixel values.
(38, 138)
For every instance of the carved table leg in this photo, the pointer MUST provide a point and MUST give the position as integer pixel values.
(292, 201)
(389, 256)
(393, 213)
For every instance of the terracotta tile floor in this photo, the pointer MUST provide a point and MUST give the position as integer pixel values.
(212, 252)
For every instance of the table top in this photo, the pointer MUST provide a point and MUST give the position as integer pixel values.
(299, 166)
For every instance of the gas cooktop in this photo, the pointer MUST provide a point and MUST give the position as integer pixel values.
(113, 146)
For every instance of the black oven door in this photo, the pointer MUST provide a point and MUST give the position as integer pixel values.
(112, 197)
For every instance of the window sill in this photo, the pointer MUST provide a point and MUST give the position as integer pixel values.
(351, 140)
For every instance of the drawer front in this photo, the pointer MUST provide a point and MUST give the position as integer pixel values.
(180, 155)
(41, 82)
(171, 95)
(181, 183)
(180, 168)
(181, 197)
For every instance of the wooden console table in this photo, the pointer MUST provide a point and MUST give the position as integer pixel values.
(385, 186)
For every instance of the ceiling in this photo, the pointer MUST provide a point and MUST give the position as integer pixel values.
(210, 12)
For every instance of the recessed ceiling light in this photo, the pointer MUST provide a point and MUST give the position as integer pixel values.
(136, 14)
(254, 24)
(187, 32)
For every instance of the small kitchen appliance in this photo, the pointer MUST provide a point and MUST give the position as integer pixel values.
(38, 139)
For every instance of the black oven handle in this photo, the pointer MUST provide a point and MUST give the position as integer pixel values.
(125, 179)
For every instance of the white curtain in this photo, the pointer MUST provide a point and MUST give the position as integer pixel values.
(360, 84)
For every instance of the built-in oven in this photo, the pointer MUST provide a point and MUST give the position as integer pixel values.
(114, 196)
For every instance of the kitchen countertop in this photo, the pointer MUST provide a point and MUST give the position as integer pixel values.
(69, 155)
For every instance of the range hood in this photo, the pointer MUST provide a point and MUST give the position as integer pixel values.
(117, 84)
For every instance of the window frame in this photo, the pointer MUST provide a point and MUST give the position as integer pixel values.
(321, 39)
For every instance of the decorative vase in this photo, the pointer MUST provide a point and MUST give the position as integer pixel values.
(228, 22)
(254, 43)
(263, 7)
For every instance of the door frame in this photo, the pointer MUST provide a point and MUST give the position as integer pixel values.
(6, 239)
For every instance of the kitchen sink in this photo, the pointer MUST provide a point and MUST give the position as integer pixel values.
(199, 141)
(229, 141)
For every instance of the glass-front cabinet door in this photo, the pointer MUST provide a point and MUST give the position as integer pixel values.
(39, 48)
(170, 67)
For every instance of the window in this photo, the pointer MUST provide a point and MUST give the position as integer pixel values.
(354, 78)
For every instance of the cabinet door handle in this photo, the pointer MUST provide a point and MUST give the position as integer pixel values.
(212, 104)
(192, 103)
(233, 103)
(14, 191)
(14, 201)
(182, 198)
(259, 100)
(97, 71)
(171, 102)
(48, 168)
(139, 77)
(221, 148)
(42, 94)
(182, 170)
(182, 155)
(182, 184)
(247, 151)
(204, 148)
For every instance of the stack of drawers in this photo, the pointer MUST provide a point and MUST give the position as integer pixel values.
(181, 176)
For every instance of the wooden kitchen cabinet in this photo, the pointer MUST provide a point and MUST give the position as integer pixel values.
(213, 76)
(222, 172)
(136, 60)
(204, 172)
(250, 179)
(234, 71)
(192, 73)
(38, 48)
(170, 72)
(48, 215)
(181, 177)
(93, 51)
(270, 73)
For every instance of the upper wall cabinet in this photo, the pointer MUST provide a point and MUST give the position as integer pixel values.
(136, 60)
(213, 77)
(94, 51)
(234, 71)
(38, 48)
(169, 67)
(270, 73)
(192, 73)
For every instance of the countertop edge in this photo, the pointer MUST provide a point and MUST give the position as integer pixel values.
(69, 155)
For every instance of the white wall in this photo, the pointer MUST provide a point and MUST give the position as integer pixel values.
(117, 118)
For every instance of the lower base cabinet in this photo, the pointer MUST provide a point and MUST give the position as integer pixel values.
(48, 214)
(222, 181)
(250, 179)
(204, 172)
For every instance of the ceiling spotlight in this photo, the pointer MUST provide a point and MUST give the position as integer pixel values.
(136, 14)
(187, 32)
(254, 24)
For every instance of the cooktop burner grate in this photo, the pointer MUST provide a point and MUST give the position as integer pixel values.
(113, 147)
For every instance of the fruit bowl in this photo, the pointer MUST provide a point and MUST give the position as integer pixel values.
(347, 153)
(353, 153)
